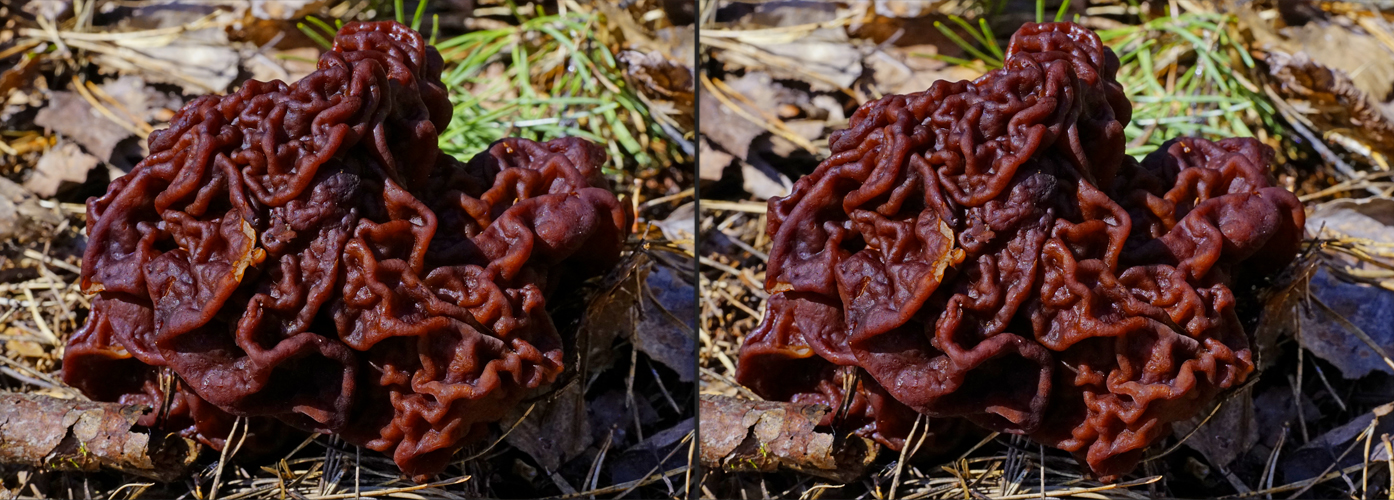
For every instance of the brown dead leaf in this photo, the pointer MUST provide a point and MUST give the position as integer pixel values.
(1335, 101)
(555, 431)
(826, 59)
(653, 307)
(725, 128)
(201, 61)
(139, 100)
(1365, 305)
(58, 168)
(18, 75)
(53, 10)
(713, 162)
(905, 8)
(762, 181)
(283, 9)
(22, 219)
(1227, 435)
(902, 70)
(25, 348)
(667, 330)
(70, 115)
(1363, 59)
(285, 65)
(658, 77)
(1317, 456)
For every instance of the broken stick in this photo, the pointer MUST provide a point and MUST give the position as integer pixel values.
(742, 435)
(68, 434)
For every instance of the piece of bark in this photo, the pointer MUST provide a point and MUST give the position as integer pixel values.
(68, 434)
(742, 435)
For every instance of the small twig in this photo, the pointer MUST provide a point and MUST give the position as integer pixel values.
(1207, 418)
(1266, 481)
(1297, 122)
(904, 453)
(33, 306)
(391, 491)
(101, 108)
(501, 438)
(740, 206)
(224, 456)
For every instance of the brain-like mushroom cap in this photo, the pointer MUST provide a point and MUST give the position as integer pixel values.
(304, 253)
(986, 250)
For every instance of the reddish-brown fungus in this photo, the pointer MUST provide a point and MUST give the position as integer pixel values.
(304, 253)
(986, 250)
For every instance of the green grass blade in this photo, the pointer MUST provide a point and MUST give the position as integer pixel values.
(961, 43)
(435, 27)
(322, 25)
(991, 40)
(314, 35)
(416, 18)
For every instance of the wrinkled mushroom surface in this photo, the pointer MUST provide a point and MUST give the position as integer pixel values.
(304, 253)
(986, 250)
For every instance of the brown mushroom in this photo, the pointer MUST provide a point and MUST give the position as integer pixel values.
(986, 250)
(304, 253)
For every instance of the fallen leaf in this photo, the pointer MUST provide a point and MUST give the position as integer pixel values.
(903, 70)
(18, 75)
(555, 431)
(676, 42)
(70, 115)
(1368, 307)
(713, 162)
(612, 412)
(1273, 409)
(283, 9)
(1365, 218)
(826, 59)
(776, 14)
(1365, 60)
(681, 225)
(637, 461)
(25, 348)
(658, 77)
(1227, 435)
(809, 130)
(762, 181)
(58, 168)
(905, 8)
(137, 98)
(725, 128)
(200, 60)
(22, 219)
(52, 9)
(1334, 100)
(667, 330)
(1316, 457)
(802, 113)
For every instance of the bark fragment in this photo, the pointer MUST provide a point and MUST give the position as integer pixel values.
(68, 434)
(742, 435)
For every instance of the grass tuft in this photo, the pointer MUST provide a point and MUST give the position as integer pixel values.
(561, 79)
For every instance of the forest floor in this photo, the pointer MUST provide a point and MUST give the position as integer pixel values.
(1313, 80)
(83, 83)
